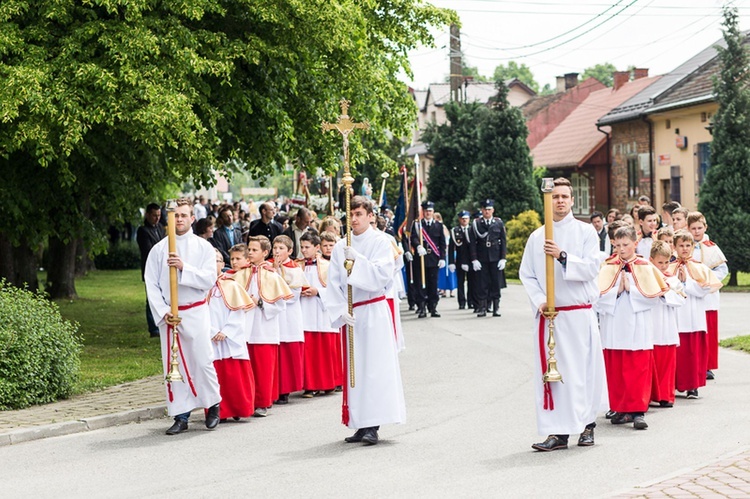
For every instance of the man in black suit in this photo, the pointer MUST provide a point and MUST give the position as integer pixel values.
(430, 248)
(302, 221)
(150, 233)
(488, 250)
(459, 258)
(265, 225)
(226, 234)
(597, 220)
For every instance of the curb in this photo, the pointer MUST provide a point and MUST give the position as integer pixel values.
(87, 424)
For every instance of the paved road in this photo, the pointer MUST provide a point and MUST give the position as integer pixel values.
(471, 422)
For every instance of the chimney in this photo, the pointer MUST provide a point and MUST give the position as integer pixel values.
(571, 80)
(620, 78)
(639, 73)
(560, 84)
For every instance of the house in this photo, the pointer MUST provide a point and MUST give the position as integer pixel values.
(579, 150)
(659, 140)
(431, 109)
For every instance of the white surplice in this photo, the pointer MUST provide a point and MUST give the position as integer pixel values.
(232, 324)
(378, 396)
(194, 282)
(625, 321)
(664, 314)
(579, 351)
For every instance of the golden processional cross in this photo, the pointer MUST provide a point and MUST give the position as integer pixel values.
(345, 126)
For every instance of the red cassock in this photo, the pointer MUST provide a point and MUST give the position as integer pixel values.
(291, 367)
(712, 337)
(629, 375)
(322, 361)
(665, 363)
(237, 387)
(264, 359)
(692, 361)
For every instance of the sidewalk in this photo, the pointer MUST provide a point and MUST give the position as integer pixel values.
(130, 402)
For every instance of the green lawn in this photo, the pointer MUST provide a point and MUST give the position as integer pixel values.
(741, 343)
(111, 312)
(743, 281)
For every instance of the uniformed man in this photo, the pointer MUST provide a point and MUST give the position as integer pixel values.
(488, 251)
(459, 258)
(429, 247)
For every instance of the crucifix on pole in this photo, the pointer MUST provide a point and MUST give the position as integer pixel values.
(345, 126)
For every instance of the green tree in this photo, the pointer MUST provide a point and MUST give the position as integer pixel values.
(454, 147)
(104, 102)
(504, 171)
(472, 71)
(725, 193)
(513, 70)
(602, 72)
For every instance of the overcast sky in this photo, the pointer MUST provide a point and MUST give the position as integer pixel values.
(554, 37)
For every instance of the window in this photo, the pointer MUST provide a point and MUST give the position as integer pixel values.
(634, 178)
(704, 161)
(580, 184)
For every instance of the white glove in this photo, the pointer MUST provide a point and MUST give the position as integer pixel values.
(465, 267)
(477, 265)
(349, 320)
(452, 267)
(421, 251)
(501, 264)
(441, 264)
(409, 256)
(350, 253)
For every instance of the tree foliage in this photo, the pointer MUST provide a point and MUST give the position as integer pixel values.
(103, 102)
(725, 193)
(454, 147)
(504, 171)
(602, 72)
(514, 70)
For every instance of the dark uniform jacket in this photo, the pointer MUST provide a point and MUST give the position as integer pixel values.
(435, 233)
(489, 243)
(459, 252)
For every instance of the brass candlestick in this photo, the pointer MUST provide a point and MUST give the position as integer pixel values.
(174, 372)
(552, 375)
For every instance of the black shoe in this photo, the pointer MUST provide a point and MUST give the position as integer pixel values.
(553, 442)
(692, 394)
(482, 313)
(709, 374)
(370, 437)
(587, 438)
(338, 388)
(357, 437)
(434, 314)
(178, 427)
(461, 307)
(495, 313)
(154, 334)
(236, 418)
(664, 403)
(212, 416)
(610, 414)
(495, 308)
(422, 314)
(411, 307)
(621, 418)
(308, 394)
(639, 422)
(283, 399)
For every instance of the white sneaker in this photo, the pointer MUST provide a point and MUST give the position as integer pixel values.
(260, 412)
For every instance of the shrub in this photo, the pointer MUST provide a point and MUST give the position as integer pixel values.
(518, 231)
(39, 350)
(121, 256)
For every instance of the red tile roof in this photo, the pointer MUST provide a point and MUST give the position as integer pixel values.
(576, 138)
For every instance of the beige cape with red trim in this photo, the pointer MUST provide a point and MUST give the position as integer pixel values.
(648, 279)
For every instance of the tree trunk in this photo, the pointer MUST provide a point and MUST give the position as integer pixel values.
(83, 262)
(18, 264)
(732, 278)
(62, 269)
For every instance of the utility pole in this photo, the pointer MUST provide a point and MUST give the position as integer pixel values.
(456, 73)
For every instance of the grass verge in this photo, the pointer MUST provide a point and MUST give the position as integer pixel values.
(743, 284)
(741, 343)
(111, 312)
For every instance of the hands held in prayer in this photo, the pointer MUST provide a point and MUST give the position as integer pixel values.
(477, 265)
(174, 260)
(551, 248)
(624, 285)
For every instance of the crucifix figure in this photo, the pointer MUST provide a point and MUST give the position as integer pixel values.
(344, 126)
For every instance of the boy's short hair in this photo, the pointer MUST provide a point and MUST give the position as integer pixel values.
(644, 199)
(645, 211)
(595, 215)
(380, 223)
(362, 202)
(285, 240)
(330, 221)
(665, 232)
(696, 216)
(670, 206)
(660, 248)
(311, 238)
(265, 244)
(683, 235)
(613, 226)
(683, 211)
(239, 248)
(328, 236)
(626, 232)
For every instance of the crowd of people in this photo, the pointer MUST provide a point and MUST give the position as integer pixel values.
(262, 313)
(636, 315)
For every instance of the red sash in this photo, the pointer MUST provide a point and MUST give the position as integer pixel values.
(549, 403)
(368, 302)
(170, 329)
